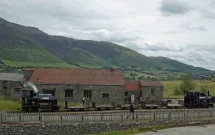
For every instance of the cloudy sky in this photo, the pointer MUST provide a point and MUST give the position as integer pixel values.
(179, 29)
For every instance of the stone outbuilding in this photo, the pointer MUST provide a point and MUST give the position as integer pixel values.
(151, 91)
(102, 86)
(132, 88)
(11, 85)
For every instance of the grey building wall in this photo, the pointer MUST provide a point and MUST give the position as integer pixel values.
(137, 95)
(147, 93)
(116, 93)
(13, 90)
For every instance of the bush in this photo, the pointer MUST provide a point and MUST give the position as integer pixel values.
(177, 91)
(204, 88)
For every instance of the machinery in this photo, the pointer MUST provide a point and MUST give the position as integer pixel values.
(196, 99)
(33, 102)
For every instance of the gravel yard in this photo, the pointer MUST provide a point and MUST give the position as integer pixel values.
(190, 130)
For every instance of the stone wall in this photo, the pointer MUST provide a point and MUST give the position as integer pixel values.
(157, 96)
(136, 95)
(116, 93)
(10, 91)
(83, 128)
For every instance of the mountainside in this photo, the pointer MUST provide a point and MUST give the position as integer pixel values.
(29, 46)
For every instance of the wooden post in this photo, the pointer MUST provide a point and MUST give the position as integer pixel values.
(169, 115)
(211, 113)
(185, 116)
(122, 117)
(198, 113)
(1, 117)
(40, 116)
(136, 116)
(102, 115)
(61, 117)
(154, 116)
(82, 118)
(20, 117)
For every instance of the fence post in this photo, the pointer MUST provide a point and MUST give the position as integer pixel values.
(40, 117)
(82, 118)
(102, 115)
(61, 117)
(210, 113)
(1, 117)
(20, 117)
(154, 116)
(137, 116)
(169, 115)
(184, 116)
(198, 114)
(122, 117)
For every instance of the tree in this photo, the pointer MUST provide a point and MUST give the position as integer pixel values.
(187, 83)
(178, 91)
(204, 88)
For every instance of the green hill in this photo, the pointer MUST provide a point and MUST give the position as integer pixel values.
(23, 46)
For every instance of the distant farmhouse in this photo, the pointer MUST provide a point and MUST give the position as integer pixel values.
(11, 85)
(102, 86)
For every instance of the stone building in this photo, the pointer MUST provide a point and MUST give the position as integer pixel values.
(132, 88)
(102, 86)
(151, 91)
(11, 85)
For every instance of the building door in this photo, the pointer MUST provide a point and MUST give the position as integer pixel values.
(88, 94)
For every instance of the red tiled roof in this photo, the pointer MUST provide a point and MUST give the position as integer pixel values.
(132, 85)
(77, 76)
(150, 83)
(29, 69)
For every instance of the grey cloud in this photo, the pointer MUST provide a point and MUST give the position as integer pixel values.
(174, 7)
(188, 27)
(160, 47)
(115, 36)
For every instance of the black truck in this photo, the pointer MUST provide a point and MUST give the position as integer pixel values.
(197, 99)
(31, 102)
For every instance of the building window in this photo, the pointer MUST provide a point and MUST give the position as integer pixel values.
(87, 93)
(4, 85)
(68, 93)
(152, 91)
(17, 89)
(126, 93)
(105, 95)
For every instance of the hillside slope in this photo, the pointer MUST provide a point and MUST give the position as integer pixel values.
(180, 67)
(23, 45)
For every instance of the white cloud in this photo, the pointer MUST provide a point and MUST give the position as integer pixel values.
(179, 29)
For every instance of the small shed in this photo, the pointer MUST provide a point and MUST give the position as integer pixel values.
(151, 91)
(132, 88)
(11, 85)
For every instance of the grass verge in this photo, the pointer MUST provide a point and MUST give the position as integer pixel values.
(8, 105)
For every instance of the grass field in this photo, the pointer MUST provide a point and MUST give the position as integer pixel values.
(34, 64)
(8, 105)
(170, 85)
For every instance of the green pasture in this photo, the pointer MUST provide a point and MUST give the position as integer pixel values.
(169, 86)
(35, 64)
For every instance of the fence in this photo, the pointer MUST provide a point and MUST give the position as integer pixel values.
(113, 116)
